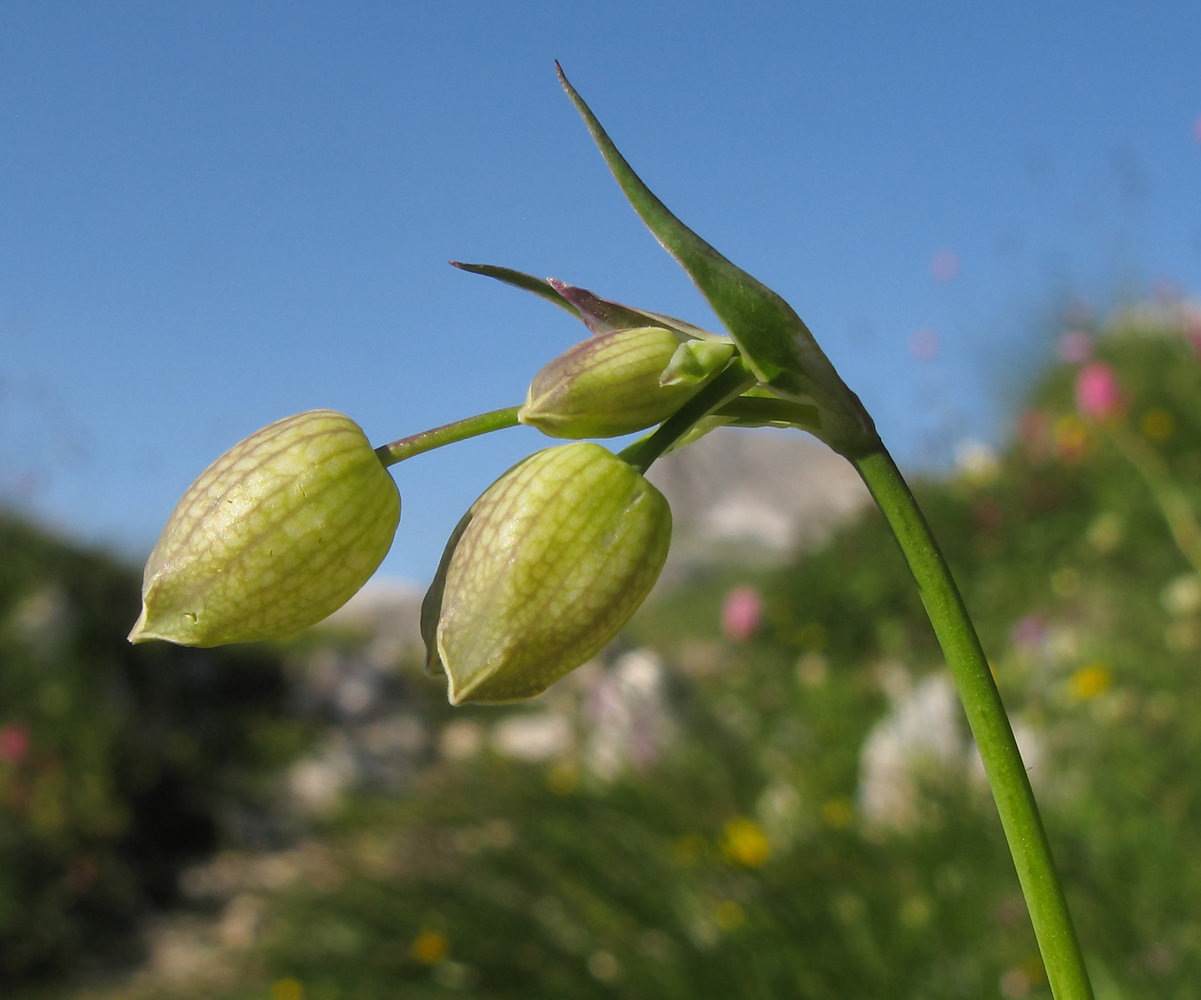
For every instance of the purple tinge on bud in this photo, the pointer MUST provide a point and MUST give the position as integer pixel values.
(277, 533)
(1099, 395)
(542, 572)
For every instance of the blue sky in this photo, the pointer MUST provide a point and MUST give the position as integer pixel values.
(215, 215)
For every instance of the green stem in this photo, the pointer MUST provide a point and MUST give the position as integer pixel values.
(1173, 502)
(734, 380)
(460, 430)
(1011, 790)
(760, 411)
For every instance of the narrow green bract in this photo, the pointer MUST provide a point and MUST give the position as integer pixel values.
(275, 535)
(544, 570)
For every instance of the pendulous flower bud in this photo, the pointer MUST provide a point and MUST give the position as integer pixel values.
(620, 382)
(277, 533)
(542, 572)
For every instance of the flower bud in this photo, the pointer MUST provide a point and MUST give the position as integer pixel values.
(277, 533)
(620, 382)
(542, 572)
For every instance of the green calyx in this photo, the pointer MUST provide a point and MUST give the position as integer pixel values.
(542, 572)
(275, 535)
(620, 382)
(695, 362)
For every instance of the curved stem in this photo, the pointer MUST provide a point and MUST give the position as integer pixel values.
(1172, 500)
(1011, 790)
(460, 430)
(734, 380)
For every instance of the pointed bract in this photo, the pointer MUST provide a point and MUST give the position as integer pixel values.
(773, 339)
(599, 315)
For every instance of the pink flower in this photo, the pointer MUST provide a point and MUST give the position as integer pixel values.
(1098, 393)
(1075, 346)
(1192, 332)
(1029, 633)
(14, 742)
(741, 613)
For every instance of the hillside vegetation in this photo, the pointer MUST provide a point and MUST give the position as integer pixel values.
(766, 789)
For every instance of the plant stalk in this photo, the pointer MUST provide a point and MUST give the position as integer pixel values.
(733, 380)
(1173, 502)
(459, 430)
(1062, 959)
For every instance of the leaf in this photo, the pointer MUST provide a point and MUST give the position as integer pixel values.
(599, 315)
(519, 279)
(774, 340)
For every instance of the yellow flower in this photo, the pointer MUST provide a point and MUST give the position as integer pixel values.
(429, 948)
(1088, 682)
(287, 989)
(743, 843)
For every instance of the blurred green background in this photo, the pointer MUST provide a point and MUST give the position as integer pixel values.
(764, 789)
